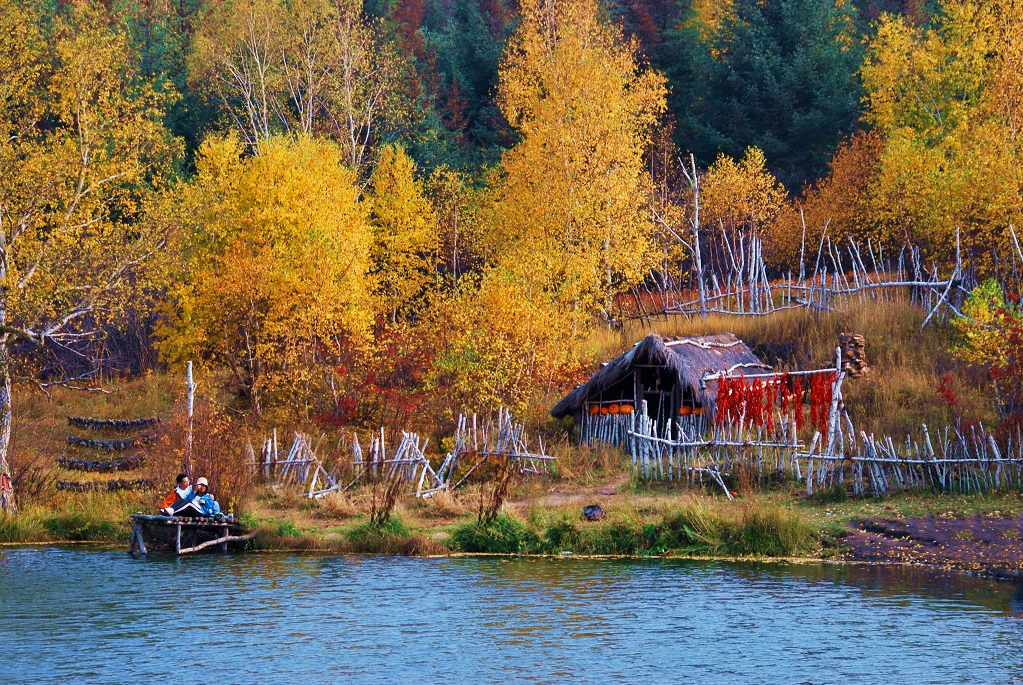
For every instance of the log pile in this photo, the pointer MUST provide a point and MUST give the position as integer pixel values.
(110, 445)
(105, 485)
(127, 464)
(854, 354)
(122, 425)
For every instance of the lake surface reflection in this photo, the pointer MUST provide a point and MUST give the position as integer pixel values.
(100, 616)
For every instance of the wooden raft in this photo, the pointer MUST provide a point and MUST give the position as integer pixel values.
(183, 534)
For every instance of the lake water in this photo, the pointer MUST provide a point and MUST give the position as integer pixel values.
(100, 616)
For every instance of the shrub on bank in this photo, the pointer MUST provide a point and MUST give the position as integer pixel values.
(84, 524)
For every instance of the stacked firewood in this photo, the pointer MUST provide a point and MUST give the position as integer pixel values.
(854, 354)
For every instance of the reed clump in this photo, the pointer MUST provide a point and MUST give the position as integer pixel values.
(22, 527)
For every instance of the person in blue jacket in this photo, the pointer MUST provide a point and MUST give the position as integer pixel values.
(204, 500)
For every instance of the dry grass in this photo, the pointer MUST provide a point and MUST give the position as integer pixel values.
(441, 505)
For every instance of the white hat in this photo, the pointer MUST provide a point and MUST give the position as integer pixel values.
(202, 481)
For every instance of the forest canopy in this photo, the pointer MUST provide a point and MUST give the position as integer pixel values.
(354, 209)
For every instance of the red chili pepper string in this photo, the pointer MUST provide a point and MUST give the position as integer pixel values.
(797, 401)
(814, 392)
(722, 401)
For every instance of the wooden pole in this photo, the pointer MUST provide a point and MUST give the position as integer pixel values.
(190, 386)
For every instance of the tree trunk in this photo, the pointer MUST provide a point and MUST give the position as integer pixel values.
(7, 502)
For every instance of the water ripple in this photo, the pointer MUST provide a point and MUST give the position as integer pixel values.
(99, 616)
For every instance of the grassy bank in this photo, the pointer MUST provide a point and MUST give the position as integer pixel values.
(542, 515)
(691, 529)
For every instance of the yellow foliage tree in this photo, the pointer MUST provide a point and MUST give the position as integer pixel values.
(981, 339)
(81, 144)
(740, 196)
(500, 340)
(570, 213)
(274, 253)
(841, 203)
(946, 100)
(405, 239)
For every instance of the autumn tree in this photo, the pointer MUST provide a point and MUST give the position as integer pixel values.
(946, 99)
(570, 213)
(81, 141)
(500, 339)
(405, 244)
(741, 196)
(460, 230)
(274, 253)
(840, 204)
(319, 67)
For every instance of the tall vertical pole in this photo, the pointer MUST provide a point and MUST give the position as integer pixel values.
(190, 385)
(695, 181)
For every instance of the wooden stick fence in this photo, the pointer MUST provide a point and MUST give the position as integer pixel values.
(475, 442)
(967, 461)
(300, 466)
(840, 276)
(409, 461)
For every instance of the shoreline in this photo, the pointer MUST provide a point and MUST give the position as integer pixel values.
(846, 560)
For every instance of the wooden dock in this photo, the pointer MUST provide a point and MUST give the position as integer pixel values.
(184, 534)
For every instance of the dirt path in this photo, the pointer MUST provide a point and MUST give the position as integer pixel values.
(985, 546)
(573, 494)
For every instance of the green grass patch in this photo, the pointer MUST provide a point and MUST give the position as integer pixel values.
(758, 529)
(85, 524)
(506, 535)
(390, 537)
(22, 528)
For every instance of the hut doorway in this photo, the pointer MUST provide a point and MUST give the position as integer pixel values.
(658, 387)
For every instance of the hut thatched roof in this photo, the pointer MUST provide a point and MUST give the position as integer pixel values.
(689, 358)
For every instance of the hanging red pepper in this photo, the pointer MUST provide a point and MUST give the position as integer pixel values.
(827, 388)
(814, 385)
(783, 393)
(797, 401)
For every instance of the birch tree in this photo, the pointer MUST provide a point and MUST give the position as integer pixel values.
(80, 139)
(572, 211)
(317, 68)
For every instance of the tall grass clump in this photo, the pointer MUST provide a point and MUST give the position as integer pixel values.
(85, 524)
(391, 536)
(756, 529)
(22, 527)
(503, 535)
(769, 530)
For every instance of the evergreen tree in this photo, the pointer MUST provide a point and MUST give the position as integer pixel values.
(780, 76)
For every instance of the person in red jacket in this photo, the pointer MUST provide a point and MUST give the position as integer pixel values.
(182, 494)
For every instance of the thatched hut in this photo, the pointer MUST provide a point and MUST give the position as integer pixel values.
(666, 373)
